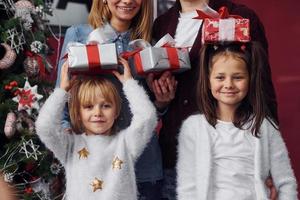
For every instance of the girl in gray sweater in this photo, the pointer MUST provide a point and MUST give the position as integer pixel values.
(97, 157)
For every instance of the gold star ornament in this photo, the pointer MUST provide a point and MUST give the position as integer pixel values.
(83, 153)
(97, 184)
(117, 163)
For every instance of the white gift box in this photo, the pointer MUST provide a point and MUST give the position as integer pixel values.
(92, 57)
(162, 57)
(158, 59)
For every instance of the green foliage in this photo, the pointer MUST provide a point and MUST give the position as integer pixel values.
(38, 2)
(8, 24)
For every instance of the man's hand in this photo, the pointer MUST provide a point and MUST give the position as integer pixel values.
(163, 88)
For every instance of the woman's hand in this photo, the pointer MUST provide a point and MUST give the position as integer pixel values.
(127, 73)
(64, 77)
(163, 88)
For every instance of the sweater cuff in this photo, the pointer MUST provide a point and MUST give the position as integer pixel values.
(61, 93)
(129, 83)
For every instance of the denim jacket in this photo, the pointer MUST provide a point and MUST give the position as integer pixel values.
(148, 166)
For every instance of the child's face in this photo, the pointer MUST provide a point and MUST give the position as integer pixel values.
(229, 81)
(123, 11)
(98, 117)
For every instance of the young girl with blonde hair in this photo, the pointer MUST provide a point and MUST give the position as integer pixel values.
(98, 157)
(119, 22)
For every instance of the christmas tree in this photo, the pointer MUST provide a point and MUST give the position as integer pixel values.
(26, 81)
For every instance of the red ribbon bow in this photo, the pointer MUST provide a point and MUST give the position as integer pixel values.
(223, 14)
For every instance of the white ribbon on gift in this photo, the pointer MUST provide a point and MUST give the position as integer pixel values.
(138, 44)
(102, 35)
(209, 11)
(166, 40)
(227, 29)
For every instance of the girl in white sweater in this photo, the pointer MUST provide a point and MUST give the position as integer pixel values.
(97, 157)
(228, 150)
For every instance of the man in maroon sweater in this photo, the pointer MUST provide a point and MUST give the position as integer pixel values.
(183, 104)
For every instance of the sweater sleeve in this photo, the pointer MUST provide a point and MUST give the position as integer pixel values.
(186, 182)
(281, 170)
(144, 119)
(48, 125)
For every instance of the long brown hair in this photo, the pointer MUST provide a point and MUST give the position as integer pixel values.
(84, 91)
(140, 26)
(255, 106)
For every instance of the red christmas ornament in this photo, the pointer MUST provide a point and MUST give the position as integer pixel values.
(28, 190)
(13, 83)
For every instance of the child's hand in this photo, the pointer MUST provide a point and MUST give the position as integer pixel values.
(64, 77)
(127, 73)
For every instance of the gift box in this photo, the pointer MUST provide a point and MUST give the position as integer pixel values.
(159, 59)
(162, 57)
(222, 30)
(95, 58)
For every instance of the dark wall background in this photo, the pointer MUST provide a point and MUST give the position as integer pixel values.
(282, 24)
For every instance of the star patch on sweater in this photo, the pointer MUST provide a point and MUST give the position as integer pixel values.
(117, 163)
(83, 153)
(97, 184)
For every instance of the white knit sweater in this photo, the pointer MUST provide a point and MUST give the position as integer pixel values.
(195, 162)
(115, 182)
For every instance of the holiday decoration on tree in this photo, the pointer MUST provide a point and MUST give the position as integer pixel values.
(25, 162)
(23, 10)
(10, 124)
(16, 39)
(31, 66)
(24, 121)
(28, 98)
(30, 149)
(9, 56)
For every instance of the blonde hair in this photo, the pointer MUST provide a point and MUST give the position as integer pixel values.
(84, 91)
(140, 26)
